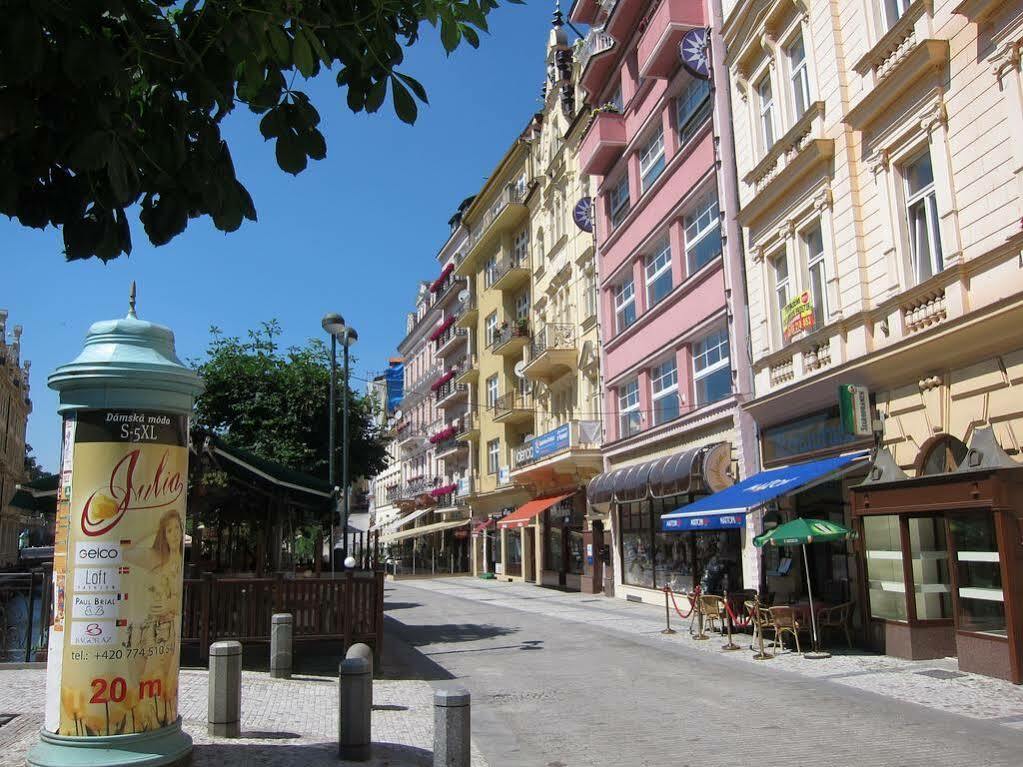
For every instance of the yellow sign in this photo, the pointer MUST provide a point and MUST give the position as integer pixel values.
(797, 315)
(117, 618)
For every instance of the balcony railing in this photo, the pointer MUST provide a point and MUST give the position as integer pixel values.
(509, 264)
(513, 194)
(450, 389)
(467, 425)
(448, 336)
(415, 392)
(507, 333)
(551, 337)
(597, 41)
(450, 285)
(511, 403)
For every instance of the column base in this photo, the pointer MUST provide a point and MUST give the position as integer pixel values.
(166, 746)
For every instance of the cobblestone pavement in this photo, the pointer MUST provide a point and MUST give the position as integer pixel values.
(284, 722)
(561, 680)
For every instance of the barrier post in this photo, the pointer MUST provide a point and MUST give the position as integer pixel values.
(700, 633)
(667, 614)
(728, 617)
(224, 707)
(451, 727)
(354, 717)
(281, 635)
(758, 626)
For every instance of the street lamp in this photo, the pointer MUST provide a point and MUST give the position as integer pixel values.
(336, 328)
(334, 324)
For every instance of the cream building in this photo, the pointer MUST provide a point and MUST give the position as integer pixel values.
(15, 406)
(879, 173)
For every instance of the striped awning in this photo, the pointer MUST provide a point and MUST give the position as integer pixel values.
(416, 532)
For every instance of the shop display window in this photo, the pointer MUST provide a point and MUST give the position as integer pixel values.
(981, 602)
(575, 552)
(932, 585)
(554, 561)
(886, 586)
(637, 554)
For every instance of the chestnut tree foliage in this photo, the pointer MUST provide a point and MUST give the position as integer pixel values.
(107, 104)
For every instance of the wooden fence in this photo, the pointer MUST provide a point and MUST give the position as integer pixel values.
(348, 607)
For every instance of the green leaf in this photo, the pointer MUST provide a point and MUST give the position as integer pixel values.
(470, 36)
(317, 46)
(450, 34)
(279, 43)
(274, 123)
(303, 55)
(315, 145)
(404, 105)
(415, 85)
(375, 95)
(121, 174)
(291, 155)
(91, 153)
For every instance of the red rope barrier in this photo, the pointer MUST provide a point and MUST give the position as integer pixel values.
(738, 620)
(692, 604)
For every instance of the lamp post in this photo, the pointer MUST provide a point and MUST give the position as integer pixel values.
(333, 323)
(348, 337)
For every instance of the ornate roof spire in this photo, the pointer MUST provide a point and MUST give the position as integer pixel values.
(557, 19)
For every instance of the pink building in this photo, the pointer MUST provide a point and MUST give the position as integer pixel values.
(672, 297)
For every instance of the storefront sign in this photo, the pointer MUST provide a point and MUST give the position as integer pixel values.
(814, 433)
(854, 407)
(552, 442)
(708, 522)
(117, 616)
(797, 315)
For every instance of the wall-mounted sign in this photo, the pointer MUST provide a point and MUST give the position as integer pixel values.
(814, 433)
(694, 51)
(854, 406)
(552, 442)
(582, 214)
(797, 315)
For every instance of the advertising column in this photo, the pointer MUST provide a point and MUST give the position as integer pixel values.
(114, 649)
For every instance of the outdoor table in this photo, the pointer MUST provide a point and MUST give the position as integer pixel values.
(802, 611)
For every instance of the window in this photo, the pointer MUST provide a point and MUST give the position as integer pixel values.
(703, 232)
(813, 249)
(522, 305)
(932, 584)
(490, 271)
(493, 456)
(766, 112)
(590, 295)
(492, 391)
(886, 585)
(712, 375)
(658, 273)
(651, 159)
(980, 599)
(922, 212)
(618, 201)
(628, 409)
(616, 98)
(520, 249)
(780, 266)
(892, 11)
(625, 305)
(799, 75)
(637, 550)
(692, 109)
(490, 328)
(664, 386)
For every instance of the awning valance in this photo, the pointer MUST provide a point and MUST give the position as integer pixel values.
(728, 507)
(416, 532)
(448, 268)
(524, 514)
(691, 471)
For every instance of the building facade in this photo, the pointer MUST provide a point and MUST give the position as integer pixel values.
(881, 207)
(15, 406)
(673, 330)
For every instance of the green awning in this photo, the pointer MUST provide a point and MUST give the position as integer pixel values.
(801, 531)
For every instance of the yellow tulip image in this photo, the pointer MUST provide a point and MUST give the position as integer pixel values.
(102, 507)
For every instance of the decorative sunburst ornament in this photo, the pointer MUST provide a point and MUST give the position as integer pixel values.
(694, 50)
(582, 214)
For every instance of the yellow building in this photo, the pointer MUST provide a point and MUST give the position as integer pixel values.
(538, 372)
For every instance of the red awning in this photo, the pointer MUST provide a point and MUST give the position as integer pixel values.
(442, 327)
(486, 524)
(448, 268)
(525, 513)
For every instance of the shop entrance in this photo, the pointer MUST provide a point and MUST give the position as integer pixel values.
(529, 553)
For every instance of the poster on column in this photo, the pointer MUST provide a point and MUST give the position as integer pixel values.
(122, 589)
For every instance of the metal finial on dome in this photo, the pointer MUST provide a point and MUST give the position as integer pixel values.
(557, 20)
(131, 302)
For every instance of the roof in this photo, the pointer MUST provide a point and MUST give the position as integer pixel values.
(39, 495)
(271, 472)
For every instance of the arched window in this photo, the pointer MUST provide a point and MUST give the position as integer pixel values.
(940, 454)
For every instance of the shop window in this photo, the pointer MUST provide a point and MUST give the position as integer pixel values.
(932, 589)
(980, 601)
(637, 554)
(673, 552)
(555, 559)
(886, 586)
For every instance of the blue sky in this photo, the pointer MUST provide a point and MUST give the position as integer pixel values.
(353, 233)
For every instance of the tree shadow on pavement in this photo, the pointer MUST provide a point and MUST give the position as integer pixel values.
(234, 754)
(447, 633)
(399, 605)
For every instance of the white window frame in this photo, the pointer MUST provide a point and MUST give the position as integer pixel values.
(692, 108)
(720, 336)
(899, 7)
(799, 76)
(765, 112)
(927, 199)
(816, 272)
(655, 267)
(663, 384)
(781, 288)
(651, 159)
(624, 297)
(628, 403)
(695, 231)
(490, 328)
(492, 395)
(494, 455)
(522, 305)
(520, 247)
(619, 202)
(490, 271)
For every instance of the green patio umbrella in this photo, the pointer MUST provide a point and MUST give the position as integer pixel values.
(800, 532)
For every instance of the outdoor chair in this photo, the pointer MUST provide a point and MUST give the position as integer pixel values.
(836, 617)
(784, 621)
(713, 609)
(757, 619)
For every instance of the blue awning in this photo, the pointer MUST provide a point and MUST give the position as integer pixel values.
(728, 508)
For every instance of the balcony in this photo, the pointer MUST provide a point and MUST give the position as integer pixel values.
(513, 407)
(468, 427)
(506, 212)
(571, 449)
(449, 447)
(446, 288)
(603, 143)
(657, 51)
(466, 487)
(552, 353)
(510, 339)
(410, 435)
(467, 313)
(594, 63)
(511, 273)
(468, 371)
(452, 339)
(450, 393)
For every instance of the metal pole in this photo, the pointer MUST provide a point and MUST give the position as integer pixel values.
(332, 449)
(344, 464)
(667, 615)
